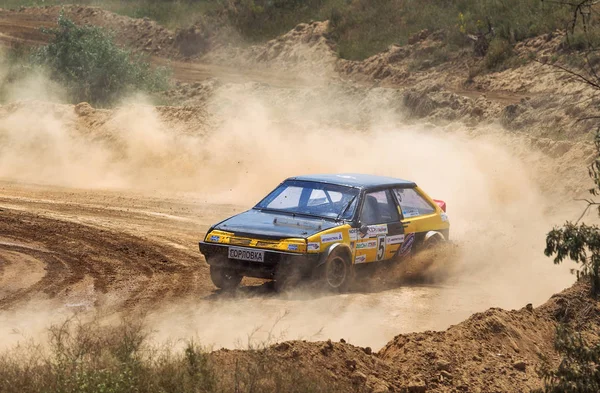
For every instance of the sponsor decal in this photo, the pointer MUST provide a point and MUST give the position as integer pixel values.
(376, 230)
(360, 259)
(444, 217)
(353, 233)
(293, 247)
(331, 237)
(314, 246)
(215, 238)
(406, 248)
(366, 245)
(397, 239)
(407, 213)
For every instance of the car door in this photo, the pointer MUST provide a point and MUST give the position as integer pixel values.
(382, 230)
(417, 216)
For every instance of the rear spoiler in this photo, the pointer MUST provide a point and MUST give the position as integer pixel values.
(441, 204)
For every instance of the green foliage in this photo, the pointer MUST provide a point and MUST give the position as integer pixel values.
(258, 20)
(579, 369)
(361, 28)
(580, 242)
(498, 52)
(430, 57)
(87, 62)
(170, 13)
(512, 20)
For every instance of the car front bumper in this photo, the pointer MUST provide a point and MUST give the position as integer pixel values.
(274, 262)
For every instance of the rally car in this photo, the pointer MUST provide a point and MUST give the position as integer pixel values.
(324, 226)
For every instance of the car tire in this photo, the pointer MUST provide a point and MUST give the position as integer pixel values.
(434, 242)
(337, 273)
(223, 278)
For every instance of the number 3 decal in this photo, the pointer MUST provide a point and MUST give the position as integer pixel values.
(380, 247)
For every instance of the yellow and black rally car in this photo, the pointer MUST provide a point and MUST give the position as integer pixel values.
(324, 226)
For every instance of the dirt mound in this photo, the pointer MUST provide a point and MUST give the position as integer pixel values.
(496, 350)
(444, 84)
(493, 351)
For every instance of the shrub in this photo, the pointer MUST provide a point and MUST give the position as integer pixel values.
(95, 358)
(580, 242)
(86, 60)
(258, 20)
(498, 52)
(579, 368)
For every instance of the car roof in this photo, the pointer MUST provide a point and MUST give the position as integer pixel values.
(357, 180)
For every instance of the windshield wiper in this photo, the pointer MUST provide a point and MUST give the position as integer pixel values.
(345, 208)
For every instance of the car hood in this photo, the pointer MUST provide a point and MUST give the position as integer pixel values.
(256, 223)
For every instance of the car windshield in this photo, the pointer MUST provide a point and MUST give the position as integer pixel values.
(312, 199)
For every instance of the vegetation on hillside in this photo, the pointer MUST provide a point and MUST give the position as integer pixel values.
(361, 28)
(576, 240)
(87, 65)
(579, 369)
(94, 358)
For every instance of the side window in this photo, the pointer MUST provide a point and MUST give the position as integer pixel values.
(378, 208)
(411, 203)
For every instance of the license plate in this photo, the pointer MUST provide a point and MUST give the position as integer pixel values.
(246, 254)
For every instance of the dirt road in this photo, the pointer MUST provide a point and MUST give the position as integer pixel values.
(68, 250)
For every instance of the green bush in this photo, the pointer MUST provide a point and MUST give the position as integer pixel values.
(259, 20)
(92, 68)
(498, 52)
(579, 368)
(578, 241)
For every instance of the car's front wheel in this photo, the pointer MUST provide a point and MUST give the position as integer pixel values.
(224, 278)
(337, 273)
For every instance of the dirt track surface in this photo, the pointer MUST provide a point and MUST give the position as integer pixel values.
(81, 250)
(86, 246)
(126, 252)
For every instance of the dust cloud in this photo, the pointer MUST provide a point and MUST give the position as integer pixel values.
(249, 137)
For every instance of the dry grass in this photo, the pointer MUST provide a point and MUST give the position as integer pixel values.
(90, 357)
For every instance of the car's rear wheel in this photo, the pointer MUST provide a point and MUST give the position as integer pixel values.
(224, 278)
(434, 242)
(337, 273)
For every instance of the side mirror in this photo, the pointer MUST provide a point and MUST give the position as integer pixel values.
(364, 230)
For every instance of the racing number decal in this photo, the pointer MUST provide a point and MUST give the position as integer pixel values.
(380, 247)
